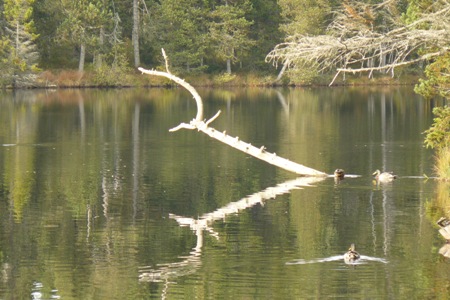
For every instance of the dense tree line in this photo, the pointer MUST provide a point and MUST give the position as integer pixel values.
(113, 37)
(198, 35)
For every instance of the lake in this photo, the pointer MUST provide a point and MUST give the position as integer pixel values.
(98, 200)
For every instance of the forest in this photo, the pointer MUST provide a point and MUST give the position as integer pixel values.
(102, 42)
(111, 38)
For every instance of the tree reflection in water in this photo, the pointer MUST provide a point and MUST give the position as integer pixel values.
(190, 264)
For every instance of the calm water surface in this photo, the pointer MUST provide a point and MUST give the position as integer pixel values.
(98, 200)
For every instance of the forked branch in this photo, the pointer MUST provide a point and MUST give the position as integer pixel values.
(203, 126)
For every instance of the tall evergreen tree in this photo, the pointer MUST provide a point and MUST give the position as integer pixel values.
(82, 25)
(20, 55)
(265, 15)
(229, 31)
(304, 16)
(48, 15)
(181, 30)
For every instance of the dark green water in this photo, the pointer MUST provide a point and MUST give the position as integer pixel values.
(91, 182)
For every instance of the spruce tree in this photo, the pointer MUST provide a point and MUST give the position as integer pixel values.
(18, 50)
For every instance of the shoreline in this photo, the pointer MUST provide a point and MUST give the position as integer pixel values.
(73, 79)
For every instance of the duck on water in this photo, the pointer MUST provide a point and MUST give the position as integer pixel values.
(385, 176)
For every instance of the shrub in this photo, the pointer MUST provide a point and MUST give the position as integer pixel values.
(224, 78)
(442, 166)
(438, 137)
(437, 81)
(114, 74)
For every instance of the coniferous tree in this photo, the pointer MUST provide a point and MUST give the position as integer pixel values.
(304, 16)
(18, 49)
(82, 25)
(47, 15)
(230, 31)
(265, 15)
(180, 28)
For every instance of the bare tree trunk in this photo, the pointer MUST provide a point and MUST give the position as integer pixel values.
(229, 66)
(135, 33)
(98, 59)
(17, 37)
(82, 57)
(280, 75)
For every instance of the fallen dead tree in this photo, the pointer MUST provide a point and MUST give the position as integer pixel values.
(201, 125)
(356, 42)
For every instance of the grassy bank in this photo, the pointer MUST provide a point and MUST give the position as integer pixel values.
(74, 79)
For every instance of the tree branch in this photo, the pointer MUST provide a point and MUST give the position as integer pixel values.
(234, 142)
(187, 86)
(354, 44)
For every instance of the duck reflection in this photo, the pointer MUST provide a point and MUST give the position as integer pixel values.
(444, 230)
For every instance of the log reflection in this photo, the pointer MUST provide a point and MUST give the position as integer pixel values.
(189, 264)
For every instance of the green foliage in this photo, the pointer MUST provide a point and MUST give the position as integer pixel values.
(224, 78)
(437, 81)
(18, 54)
(83, 19)
(304, 16)
(84, 23)
(438, 135)
(264, 31)
(4, 62)
(114, 73)
(180, 28)
(442, 165)
(53, 53)
(198, 35)
(303, 76)
(229, 31)
(414, 9)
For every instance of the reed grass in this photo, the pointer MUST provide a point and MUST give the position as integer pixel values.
(442, 164)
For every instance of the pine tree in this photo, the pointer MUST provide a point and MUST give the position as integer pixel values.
(229, 31)
(179, 26)
(83, 24)
(304, 16)
(17, 48)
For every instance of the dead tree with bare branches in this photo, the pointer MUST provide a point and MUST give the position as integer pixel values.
(368, 38)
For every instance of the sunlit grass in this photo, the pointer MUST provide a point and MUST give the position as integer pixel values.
(442, 165)
(132, 78)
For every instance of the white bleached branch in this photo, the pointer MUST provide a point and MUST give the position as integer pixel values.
(199, 124)
(354, 44)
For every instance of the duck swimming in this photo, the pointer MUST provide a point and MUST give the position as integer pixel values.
(385, 176)
(339, 173)
(351, 255)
